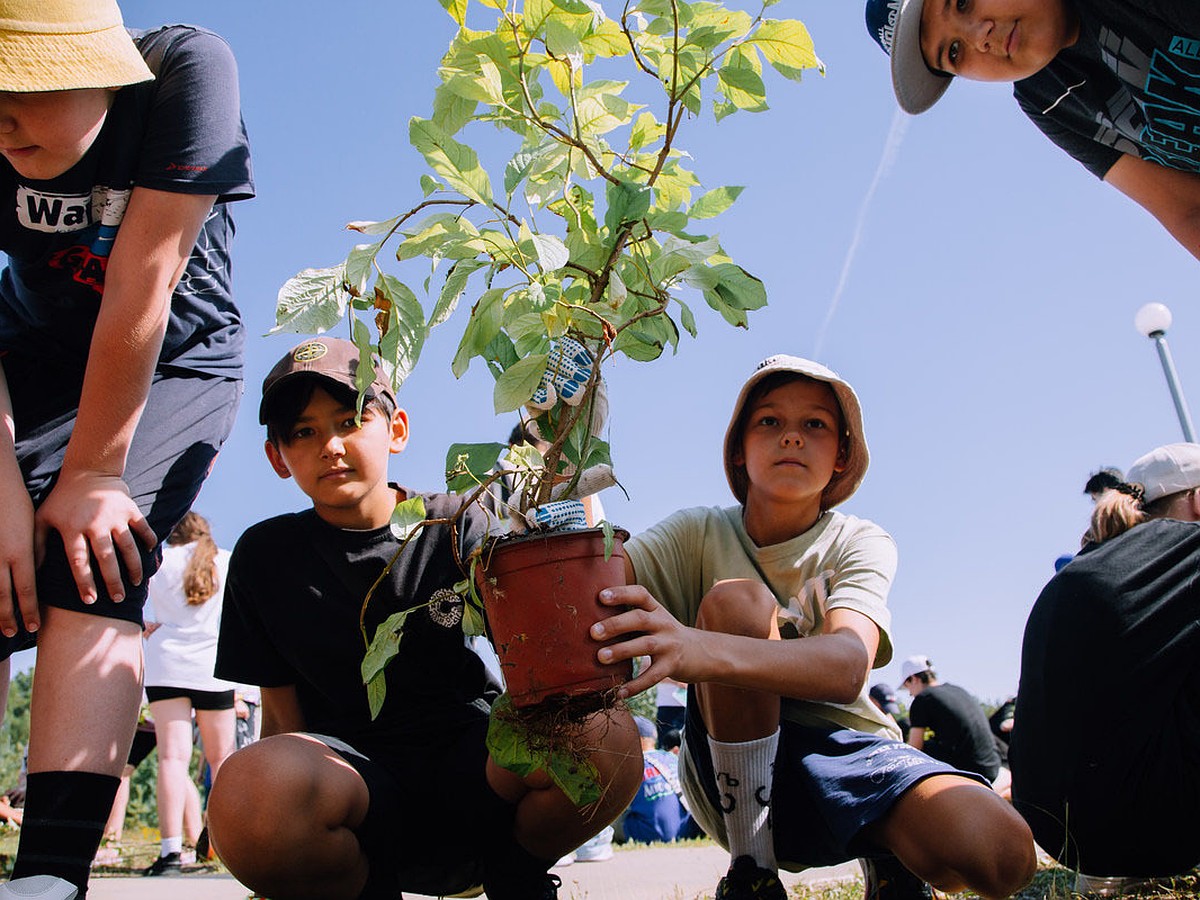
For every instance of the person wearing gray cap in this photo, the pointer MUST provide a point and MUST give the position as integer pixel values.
(774, 611)
(1114, 638)
(1114, 83)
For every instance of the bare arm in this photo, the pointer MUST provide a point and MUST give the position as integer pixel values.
(1170, 195)
(831, 666)
(281, 711)
(90, 504)
(17, 578)
(916, 737)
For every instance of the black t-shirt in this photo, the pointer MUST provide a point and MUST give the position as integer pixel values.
(961, 736)
(180, 133)
(1105, 746)
(1129, 85)
(293, 597)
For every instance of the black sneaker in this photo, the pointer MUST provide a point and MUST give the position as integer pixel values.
(545, 887)
(746, 880)
(165, 865)
(887, 878)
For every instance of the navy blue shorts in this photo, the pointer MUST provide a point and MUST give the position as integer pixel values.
(186, 420)
(432, 818)
(829, 784)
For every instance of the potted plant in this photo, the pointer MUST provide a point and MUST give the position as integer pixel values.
(577, 252)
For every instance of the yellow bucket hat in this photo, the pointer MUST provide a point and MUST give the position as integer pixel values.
(64, 45)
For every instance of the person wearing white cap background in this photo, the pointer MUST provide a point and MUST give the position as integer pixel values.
(121, 353)
(785, 759)
(961, 735)
(1114, 638)
(1114, 83)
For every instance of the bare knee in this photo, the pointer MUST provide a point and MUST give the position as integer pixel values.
(738, 606)
(956, 834)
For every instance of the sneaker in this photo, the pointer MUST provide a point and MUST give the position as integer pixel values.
(41, 887)
(204, 848)
(165, 865)
(888, 879)
(746, 880)
(598, 849)
(544, 888)
(1114, 885)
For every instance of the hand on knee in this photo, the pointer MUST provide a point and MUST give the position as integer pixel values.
(738, 606)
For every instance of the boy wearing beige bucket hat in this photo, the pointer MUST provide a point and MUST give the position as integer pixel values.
(786, 761)
(121, 354)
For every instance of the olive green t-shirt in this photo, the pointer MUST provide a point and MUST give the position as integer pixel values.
(842, 562)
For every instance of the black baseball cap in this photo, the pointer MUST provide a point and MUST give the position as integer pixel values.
(333, 359)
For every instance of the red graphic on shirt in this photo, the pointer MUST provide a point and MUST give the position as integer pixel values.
(84, 265)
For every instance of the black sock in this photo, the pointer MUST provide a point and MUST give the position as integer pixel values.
(65, 814)
(510, 871)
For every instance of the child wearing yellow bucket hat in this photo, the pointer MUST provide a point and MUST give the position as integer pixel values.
(120, 372)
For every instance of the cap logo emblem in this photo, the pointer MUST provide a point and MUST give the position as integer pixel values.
(310, 351)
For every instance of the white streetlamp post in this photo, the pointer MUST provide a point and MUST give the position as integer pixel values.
(1153, 320)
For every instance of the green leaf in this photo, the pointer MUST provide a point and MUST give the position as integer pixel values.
(515, 386)
(736, 292)
(376, 694)
(609, 538)
(787, 46)
(457, 10)
(452, 290)
(377, 227)
(627, 202)
(472, 621)
(551, 251)
(401, 344)
(360, 265)
(311, 302)
(714, 202)
(451, 111)
(482, 326)
(429, 184)
(646, 130)
(687, 318)
(509, 749)
(407, 517)
(743, 87)
(467, 465)
(384, 645)
(457, 163)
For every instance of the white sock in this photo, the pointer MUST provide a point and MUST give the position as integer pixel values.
(744, 773)
(171, 845)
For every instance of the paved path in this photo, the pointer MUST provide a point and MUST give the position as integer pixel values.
(645, 873)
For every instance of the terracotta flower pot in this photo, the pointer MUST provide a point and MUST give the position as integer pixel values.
(539, 593)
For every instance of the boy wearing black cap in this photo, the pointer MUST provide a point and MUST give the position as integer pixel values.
(1114, 83)
(775, 611)
(332, 803)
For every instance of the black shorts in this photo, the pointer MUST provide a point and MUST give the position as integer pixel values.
(144, 742)
(186, 420)
(210, 700)
(431, 819)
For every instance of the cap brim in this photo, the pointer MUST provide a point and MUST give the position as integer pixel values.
(917, 87)
(107, 58)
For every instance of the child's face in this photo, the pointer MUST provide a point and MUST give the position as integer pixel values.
(340, 466)
(42, 135)
(995, 40)
(791, 445)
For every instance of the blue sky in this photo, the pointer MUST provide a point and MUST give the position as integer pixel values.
(974, 284)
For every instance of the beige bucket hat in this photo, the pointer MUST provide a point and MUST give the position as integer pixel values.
(844, 483)
(64, 45)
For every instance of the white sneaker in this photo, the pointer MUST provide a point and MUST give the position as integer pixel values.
(43, 887)
(598, 849)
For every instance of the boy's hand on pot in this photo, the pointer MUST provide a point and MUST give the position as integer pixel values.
(654, 632)
(18, 582)
(96, 517)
